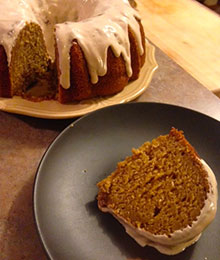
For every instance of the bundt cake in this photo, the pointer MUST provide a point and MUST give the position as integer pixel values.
(163, 194)
(69, 49)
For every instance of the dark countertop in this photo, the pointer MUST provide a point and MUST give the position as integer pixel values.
(23, 141)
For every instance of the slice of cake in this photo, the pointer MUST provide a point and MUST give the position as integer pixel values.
(163, 194)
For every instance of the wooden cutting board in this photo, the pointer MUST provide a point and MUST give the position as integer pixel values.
(189, 33)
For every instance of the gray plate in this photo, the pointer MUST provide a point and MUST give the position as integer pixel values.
(67, 218)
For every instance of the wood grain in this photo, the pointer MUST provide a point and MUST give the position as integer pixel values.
(187, 32)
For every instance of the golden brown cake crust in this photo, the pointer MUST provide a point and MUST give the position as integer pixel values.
(113, 82)
(81, 87)
(160, 188)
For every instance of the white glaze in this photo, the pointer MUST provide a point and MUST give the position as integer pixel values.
(180, 239)
(95, 24)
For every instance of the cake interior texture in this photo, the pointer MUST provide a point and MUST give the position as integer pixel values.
(160, 188)
(32, 72)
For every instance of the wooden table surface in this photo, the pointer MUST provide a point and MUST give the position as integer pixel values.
(23, 141)
(188, 32)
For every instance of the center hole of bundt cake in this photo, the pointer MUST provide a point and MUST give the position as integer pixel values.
(60, 12)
